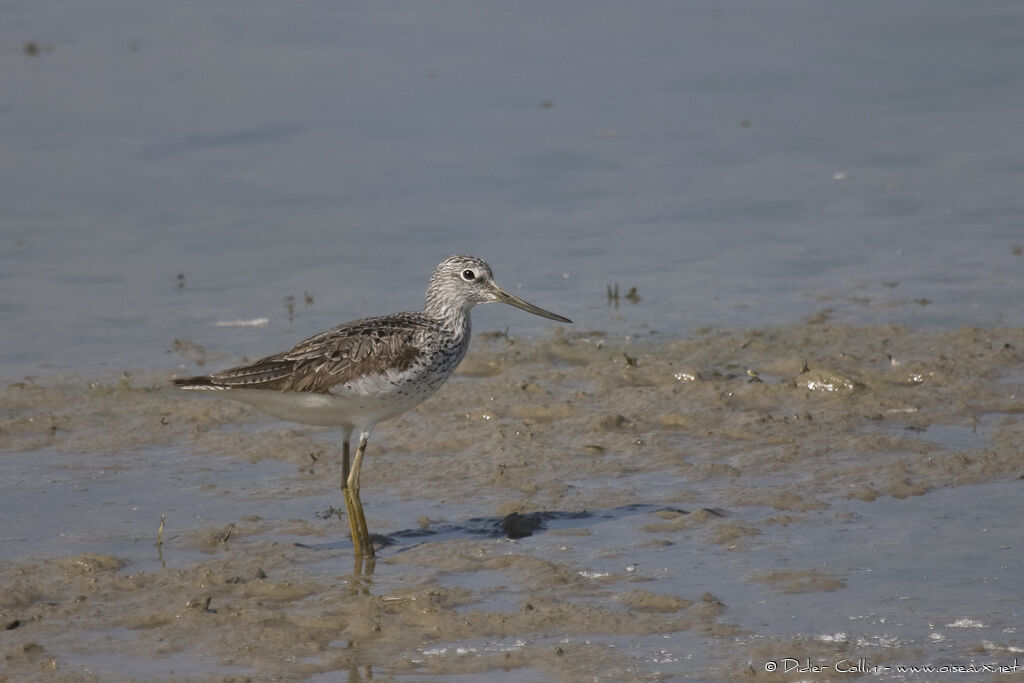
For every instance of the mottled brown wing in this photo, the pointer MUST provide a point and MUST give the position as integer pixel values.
(266, 373)
(338, 359)
(362, 347)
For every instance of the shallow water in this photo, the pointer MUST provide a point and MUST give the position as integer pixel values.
(694, 523)
(168, 168)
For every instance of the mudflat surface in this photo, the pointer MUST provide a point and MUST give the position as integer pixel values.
(812, 497)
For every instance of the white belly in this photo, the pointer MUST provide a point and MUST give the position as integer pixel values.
(358, 405)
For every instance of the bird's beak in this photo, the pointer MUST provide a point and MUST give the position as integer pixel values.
(504, 297)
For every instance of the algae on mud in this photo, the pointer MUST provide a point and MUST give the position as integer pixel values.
(769, 438)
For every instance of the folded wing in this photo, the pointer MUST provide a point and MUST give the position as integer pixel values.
(358, 349)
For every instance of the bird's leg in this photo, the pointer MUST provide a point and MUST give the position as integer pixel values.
(357, 520)
(354, 507)
(352, 504)
(353, 485)
(344, 461)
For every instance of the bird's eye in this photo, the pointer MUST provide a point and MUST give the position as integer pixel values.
(468, 275)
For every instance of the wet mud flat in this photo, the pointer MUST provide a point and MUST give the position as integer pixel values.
(812, 502)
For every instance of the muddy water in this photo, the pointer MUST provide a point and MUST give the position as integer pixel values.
(815, 498)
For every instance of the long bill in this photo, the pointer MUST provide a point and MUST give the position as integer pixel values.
(504, 297)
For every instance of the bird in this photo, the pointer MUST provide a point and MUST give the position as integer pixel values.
(365, 371)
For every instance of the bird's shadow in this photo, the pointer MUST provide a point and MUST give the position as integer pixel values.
(513, 526)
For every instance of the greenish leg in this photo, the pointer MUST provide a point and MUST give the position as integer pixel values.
(357, 519)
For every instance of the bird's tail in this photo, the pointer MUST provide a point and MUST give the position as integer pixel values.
(199, 383)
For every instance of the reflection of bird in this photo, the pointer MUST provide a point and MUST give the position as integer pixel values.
(365, 371)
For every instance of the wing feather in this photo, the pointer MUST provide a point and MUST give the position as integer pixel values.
(341, 355)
